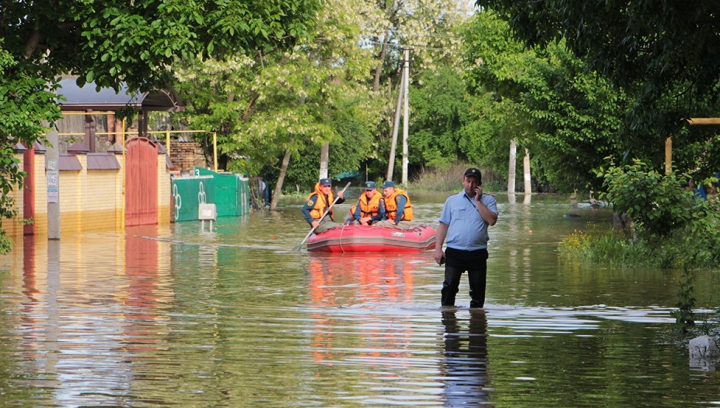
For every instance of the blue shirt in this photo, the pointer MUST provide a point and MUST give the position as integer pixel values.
(467, 231)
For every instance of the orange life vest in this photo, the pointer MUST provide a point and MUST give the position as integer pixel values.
(391, 206)
(320, 204)
(368, 208)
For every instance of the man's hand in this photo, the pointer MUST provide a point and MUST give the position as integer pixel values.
(478, 193)
(341, 194)
(365, 220)
(315, 224)
(439, 256)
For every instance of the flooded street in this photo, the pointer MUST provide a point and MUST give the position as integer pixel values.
(170, 316)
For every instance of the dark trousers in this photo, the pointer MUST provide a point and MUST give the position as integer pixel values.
(457, 262)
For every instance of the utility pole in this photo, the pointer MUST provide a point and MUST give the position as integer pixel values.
(406, 111)
(396, 126)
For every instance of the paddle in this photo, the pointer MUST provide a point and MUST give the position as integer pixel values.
(297, 248)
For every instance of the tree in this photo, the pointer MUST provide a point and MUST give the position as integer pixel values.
(425, 26)
(440, 111)
(654, 50)
(109, 43)
(663, 56)
(112, 42)
(277, 106)
(26, 103)
(547, 100)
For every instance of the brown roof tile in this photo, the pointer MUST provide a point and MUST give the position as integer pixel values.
(68, 162)
(102, 161)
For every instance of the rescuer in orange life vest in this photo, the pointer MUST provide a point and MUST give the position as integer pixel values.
(369, 208)
(318, 202)
(398, 209)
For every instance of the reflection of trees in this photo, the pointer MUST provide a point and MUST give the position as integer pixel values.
(466, 360)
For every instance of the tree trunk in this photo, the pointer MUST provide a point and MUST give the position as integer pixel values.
(526, 172)
(324, 156)
(281, 179)
(511, 167)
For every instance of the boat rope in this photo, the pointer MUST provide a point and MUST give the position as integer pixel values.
(341, 235)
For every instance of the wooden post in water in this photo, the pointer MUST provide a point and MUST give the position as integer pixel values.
(511, 167)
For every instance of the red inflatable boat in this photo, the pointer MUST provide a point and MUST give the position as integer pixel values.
(359, 238)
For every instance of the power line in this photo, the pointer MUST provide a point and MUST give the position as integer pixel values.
(400, 47)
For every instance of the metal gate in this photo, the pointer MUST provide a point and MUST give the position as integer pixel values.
(141, 184)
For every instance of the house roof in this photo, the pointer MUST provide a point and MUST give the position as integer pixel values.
(88, 97)
(102, 161)
(68, 162)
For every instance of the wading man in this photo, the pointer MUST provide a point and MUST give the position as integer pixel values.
(464, 222)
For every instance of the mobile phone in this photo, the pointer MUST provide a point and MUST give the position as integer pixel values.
(442, 260)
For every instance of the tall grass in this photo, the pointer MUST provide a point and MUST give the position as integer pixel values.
(450, 179)
(604, 246)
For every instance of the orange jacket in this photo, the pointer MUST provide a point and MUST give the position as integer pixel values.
(321, 203)
(391, 206)
(369, 208)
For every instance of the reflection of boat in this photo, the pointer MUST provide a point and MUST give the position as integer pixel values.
(358, 238)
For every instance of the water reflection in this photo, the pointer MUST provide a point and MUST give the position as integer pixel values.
(167, 316)
(360, 283)
(361, 278)
(465, 365)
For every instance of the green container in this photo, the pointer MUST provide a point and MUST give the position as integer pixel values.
(188, 193)
(229, 192)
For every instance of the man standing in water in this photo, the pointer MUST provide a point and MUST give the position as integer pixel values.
(464, 221)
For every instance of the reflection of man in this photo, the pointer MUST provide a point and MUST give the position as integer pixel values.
(466, 360)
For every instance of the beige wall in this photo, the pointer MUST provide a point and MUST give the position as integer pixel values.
(89, 199)
(164, 183)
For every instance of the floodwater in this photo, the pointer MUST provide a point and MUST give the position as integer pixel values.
(172, 316)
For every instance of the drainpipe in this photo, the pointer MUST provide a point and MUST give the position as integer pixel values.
(29, 188)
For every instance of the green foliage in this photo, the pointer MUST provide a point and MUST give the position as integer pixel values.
(602, 246)
(671, 227)
(546, 100)
(652, 49)
(296, 100)
(684, 315)
(665, 214)
(111, 42)
(5, 243)
(440, 111)
(656, 203)
(674, 229)
(26, 101)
